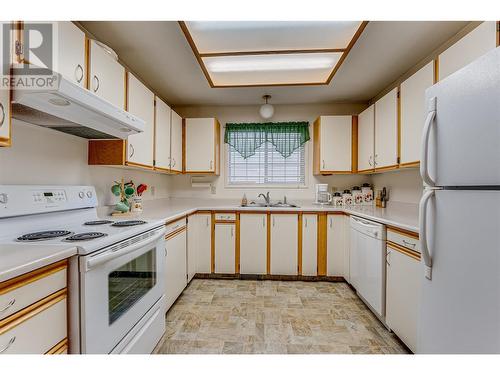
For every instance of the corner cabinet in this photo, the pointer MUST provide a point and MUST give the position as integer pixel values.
(335, 145)
(202, 145)
(176, 145)
(175, 261)
(366, 139)
(337, 257)
(163, 116)
(199, 242)
(413, 112)
(386, 131)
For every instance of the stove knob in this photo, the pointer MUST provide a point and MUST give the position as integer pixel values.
(4, 198)
(89, 194)
(81, 194)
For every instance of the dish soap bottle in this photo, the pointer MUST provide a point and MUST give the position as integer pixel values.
(244, 200)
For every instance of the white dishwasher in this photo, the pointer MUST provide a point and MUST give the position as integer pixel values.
(367, 263)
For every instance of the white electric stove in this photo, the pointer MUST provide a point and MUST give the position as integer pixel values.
(117, 278)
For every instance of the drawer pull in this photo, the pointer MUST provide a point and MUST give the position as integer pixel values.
(9, 344)
(96, 83)
(78, 73)
(409, 243)
(9, 305)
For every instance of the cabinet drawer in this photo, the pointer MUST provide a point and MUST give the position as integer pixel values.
(172, 227)
(36, 329)
(224, 216)
(22, 291)
(408, 241)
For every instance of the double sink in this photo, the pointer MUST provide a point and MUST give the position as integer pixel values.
(267, 203)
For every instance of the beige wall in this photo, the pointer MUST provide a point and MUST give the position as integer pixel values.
(47, 157)
(404, 185)
(181, 185)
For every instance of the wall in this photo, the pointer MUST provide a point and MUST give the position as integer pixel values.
(404, 185)
(43, 156)
(181, 185)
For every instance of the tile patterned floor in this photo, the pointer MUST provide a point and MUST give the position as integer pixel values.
(275, 317)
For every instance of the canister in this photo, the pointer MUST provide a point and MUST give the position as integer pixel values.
(347, 198)
(337, 200)
(367, 192)
(357, 196)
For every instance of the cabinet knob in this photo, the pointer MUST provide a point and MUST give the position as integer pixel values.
(96, 83)
(132, 150)
(2, 114)
(79, 73)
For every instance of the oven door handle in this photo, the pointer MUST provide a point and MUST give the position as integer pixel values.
(109, 255)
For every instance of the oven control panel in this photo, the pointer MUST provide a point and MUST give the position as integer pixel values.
(49, 197)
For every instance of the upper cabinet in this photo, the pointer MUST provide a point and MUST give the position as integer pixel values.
(413, 112)
(366, 134)
(386, 131)
(473, 45)
(71, 52)
(333, 145)
(106, 75)
(140, 102)
(176, 143)
(163, 117)
(5, 108)
(202, 137)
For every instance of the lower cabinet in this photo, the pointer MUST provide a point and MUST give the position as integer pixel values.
(284, 244)
(309, 245)
(402, 290)
(336, 250)
(175, 270)
(199, 244)
(225, 248)
(253, 244)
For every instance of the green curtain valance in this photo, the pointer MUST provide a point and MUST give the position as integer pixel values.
(287, 137)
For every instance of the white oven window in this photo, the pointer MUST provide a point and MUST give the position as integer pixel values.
(130, 282)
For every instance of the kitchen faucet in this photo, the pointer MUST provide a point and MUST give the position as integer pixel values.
(266, 197)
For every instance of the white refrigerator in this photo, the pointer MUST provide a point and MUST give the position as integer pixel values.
(460, 212)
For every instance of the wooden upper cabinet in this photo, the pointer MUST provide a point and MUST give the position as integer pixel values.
(176, 143)
(71, 52)
(202, 137)
(163, 115)
(333, 144)
(366, 139)
(386, 131)
(473, 45)
(106, 75)
(141, 104)
(5, 107)
(413, 113)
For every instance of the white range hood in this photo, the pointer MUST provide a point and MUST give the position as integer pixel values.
(72, 109)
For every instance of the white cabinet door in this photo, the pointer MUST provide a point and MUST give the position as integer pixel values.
(225, 241)
(141, 104)
(106, 76)
(473, 45)
(413, 112)
(403, 288)
(284, 244)
(162, 137)
(71, 53)
(335, 256)
(176, 142)
(309, 245)
(200, 243)
(347, 247)
(336, 143)
(200, 145)
(253, 244)
(175, 270)
(386, 130)
(366, 134)
(4, 103)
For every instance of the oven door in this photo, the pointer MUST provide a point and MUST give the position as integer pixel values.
(118, 286)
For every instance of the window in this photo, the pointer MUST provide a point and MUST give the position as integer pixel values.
(266, 167)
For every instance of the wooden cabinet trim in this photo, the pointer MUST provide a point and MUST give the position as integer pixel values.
(268, 249)
(59, 348)
(299, 244)
(175, 233)
(237, 245)
(212, 243)
(403, 231)
(412, 254)
(354, 146)
(322, 244)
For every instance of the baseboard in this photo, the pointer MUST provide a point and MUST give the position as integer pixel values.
(227, 276)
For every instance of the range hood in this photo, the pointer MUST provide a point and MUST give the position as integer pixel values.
(72, 109)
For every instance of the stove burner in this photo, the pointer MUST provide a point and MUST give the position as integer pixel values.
(42, 236)
(128, 223)
(98, 222)
(85, 236)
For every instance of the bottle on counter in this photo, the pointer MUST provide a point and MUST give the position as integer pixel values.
(244, 201)
(347, 198)
(367, 192)
(337, 200)
(357, 196)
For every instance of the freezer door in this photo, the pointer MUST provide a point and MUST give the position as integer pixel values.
(461, 143)
(460, 303)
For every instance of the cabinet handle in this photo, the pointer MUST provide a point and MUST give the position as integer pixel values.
(370, 161)
(375, 160)
(232, 231)
(173, 165)
(9, 305)
(305, 222)
(96, 83)
(2, 117)
(387, 258)
(323, 164)
(207, 221)
(273, 221)
(78, 73)
(331, 222)
(165, 252)
(211, 164)
(131, 150)
(169, 162)
(9, 344)
(263, 221)
(409, 243)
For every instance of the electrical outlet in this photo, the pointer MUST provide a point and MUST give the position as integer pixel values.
(213, 189)
(153, 191)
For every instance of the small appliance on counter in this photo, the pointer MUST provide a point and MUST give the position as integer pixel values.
(323, 196)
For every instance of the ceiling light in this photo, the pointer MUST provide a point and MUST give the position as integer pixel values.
(266, 110)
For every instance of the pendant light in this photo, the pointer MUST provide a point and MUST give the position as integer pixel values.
(266, 110)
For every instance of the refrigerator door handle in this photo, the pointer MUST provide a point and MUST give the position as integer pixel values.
(424, 157)
(423, 233)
